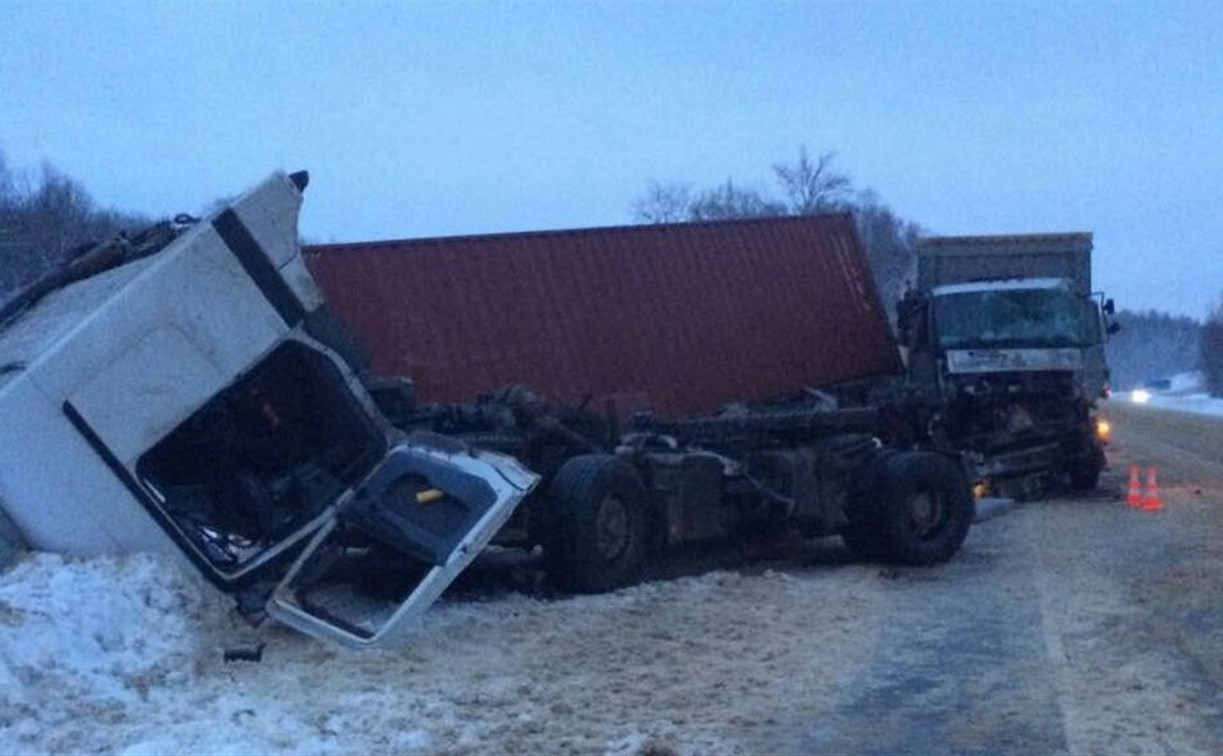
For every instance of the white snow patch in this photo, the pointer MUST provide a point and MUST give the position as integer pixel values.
(94, 638)
(1198, 404)
(108, 629)
(124, 655)
(1191, 382)
(1187, 394)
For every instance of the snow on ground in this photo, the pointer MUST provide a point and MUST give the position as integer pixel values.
(124, 655)
(1187, 383)
(1199, 403)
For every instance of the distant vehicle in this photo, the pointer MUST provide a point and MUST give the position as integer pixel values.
(1006, 336)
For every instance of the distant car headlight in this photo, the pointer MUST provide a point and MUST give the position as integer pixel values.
(1140, 396)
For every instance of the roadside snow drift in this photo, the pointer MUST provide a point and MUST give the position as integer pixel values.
(1187, 393)
(125, 655)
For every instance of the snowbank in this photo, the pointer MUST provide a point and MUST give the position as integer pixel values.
(125, 656)
(1199, 404)
(94, 637)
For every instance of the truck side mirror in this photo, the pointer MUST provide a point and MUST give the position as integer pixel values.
(1109, 308)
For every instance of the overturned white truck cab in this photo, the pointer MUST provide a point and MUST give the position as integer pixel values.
(179, 397)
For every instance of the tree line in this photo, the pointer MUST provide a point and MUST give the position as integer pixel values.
(806, 185)
(44, 219)
(1152, 345)
(1212, 351)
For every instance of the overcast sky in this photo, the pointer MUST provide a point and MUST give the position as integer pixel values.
(432, 119)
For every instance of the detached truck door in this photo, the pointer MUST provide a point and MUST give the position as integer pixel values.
(433, 500)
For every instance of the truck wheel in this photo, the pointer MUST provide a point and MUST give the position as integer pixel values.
(597, 532)
(924, 509)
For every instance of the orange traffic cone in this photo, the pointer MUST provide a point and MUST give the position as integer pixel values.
(1134, 497)
(1152, 503)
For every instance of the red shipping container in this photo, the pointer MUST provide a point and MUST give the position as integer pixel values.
(680, 318)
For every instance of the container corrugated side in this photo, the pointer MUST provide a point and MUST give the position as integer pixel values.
(680, 318)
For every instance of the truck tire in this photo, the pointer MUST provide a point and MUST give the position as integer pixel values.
(918, 510)
(596, 525)
(927, 508)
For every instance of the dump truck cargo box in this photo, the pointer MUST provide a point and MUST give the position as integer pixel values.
(679, 318)
(943, 260)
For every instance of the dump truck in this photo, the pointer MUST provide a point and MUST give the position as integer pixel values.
(672, 384)
(189, 389)
(1005, 336)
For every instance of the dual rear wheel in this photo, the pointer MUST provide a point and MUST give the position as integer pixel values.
(908, 508)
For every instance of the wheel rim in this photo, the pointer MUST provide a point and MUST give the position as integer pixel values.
(612, 532)
(925, 514)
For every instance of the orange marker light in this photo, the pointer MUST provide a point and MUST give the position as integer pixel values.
(1104, 430)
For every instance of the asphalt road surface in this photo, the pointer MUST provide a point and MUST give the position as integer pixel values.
(1074, 625)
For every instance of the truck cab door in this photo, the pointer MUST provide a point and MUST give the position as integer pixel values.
(433, 503)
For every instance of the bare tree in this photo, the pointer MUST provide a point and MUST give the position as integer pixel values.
(6, 181)
(809, 186)
(42, 223)
(8, 213)
(728, 201)
(663, 203)
(812, 186)
(889, 241)
(57, 215)
(1212, 351)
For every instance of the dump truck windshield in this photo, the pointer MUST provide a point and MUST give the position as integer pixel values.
(1015, 318)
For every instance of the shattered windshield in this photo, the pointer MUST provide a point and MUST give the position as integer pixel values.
(1015, 318)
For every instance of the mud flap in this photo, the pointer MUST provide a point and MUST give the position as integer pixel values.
(433, 500)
